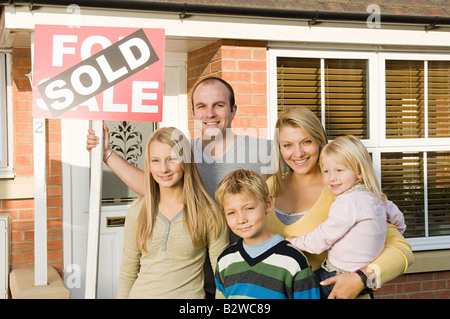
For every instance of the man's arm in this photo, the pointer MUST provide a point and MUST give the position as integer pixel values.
(132, 176)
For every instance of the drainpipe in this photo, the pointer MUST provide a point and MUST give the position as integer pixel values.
(186, 9)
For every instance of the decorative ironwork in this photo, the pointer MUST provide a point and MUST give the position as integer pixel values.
(127, 141)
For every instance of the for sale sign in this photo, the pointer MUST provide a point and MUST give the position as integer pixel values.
(98, 73)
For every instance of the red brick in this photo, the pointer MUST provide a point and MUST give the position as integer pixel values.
(259, 54)
(259, 76)
(237, 76)
(444, 294)
(28, 235)
(252, 65)
(261, 122)
(23, 138)
(252, 110)
(17, 204)
(421, 295)
(26, 214)
(23, 127)
(22, 247)
(252, 87)
(23, 160)
(22, 225)
(19, 62)
(236, 53)
(24, 171)
(260, 100)
(229, 64)
(434, 285)
(408, 287)
(23, 149)
(242, 122)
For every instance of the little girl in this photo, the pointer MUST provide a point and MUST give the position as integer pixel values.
(169, 230)
(355, 231)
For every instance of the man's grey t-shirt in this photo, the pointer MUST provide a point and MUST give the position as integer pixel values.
(247, 153)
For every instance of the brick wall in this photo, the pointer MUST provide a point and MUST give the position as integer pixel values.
(21, 211)
(243, 64)
(429, 285)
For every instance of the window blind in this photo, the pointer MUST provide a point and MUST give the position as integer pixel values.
(420, 186)
(404, 99)
(299, 83)
(346, 97)
(439, 98)
(402, 182)
(438, 175)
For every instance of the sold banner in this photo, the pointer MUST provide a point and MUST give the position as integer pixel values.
(98, 73)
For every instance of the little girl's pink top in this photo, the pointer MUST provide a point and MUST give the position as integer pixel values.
(355, 231)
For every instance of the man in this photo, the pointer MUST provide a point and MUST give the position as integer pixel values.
(218, 152)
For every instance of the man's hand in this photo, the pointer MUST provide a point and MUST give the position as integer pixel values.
(346, 286)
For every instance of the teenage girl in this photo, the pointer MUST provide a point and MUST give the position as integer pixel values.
(170, 229)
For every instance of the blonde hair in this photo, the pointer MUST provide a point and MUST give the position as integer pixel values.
(351, 153)
(201, 213)
(296, 117)
(242, 181)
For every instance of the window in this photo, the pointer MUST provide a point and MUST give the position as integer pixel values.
(417, 99)
(415, 163)
(398, 104)
(5, 131)
(335, 89)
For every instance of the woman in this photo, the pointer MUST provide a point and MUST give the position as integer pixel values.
(302, 202)
(169, 230)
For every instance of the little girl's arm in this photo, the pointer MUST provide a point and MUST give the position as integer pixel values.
(395, 216)
(341, 218)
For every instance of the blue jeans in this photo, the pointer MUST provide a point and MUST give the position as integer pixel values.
(321, 274)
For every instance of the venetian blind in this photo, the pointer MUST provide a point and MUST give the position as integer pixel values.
(439, 98)
(422, 192)
(402, 182)
(404, 99)
(438, 175)
(299, 83)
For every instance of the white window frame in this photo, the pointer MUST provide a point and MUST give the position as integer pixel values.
(424, 144)
(376, 143)
(6, 149)
(400, 142)
(372, 99)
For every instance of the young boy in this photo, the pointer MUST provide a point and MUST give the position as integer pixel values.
(261, 264)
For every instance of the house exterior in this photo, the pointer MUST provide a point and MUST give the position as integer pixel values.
(377, 69)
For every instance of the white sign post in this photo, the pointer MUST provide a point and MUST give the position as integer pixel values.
(40, 203)
(95, 200)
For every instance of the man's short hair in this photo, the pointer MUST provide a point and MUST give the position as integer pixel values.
(212, 79)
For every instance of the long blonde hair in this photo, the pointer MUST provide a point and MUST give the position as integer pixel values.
(350, 152)
(297, 117)
(201, 214)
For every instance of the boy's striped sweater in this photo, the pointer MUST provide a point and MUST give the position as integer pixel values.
(281, 272)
